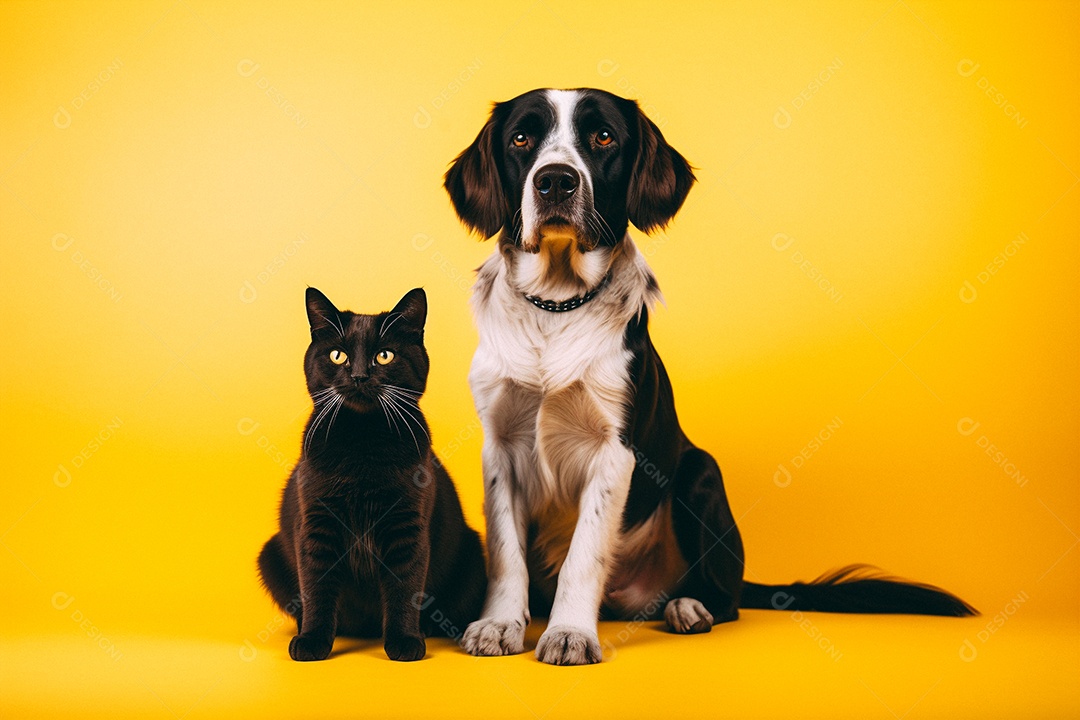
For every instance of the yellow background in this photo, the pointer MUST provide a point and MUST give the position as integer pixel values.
(173, 174)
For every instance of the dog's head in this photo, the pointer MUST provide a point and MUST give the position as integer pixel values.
(572, 164)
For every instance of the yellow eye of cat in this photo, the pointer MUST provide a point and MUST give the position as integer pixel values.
(521, 140)
(384, 357)
(338, 358)
(604, 138)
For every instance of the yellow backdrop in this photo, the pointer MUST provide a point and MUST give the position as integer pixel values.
(871, 319)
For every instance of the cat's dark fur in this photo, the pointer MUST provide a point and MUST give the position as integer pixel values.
(372, 539)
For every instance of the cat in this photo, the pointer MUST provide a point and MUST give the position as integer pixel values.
(372, 539)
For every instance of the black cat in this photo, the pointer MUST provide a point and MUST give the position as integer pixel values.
(372, 537)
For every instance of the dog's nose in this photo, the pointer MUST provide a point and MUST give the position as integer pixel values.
(555, 183)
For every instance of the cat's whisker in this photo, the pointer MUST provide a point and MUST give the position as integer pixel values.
(418, 419)
(400, 389)
(406, 411)
(315, 424)
(386, 412)
(334, 322)
(408, 405)
(394, 404)
(385, 327)
(320, 395)
(340, 400)
(397, 412)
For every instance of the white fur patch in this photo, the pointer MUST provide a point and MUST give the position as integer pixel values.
(560, 146)
(552, 391)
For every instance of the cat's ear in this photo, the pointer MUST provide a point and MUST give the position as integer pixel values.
(412, 310)
(322, 315)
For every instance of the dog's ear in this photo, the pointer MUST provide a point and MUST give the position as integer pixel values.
(660, 180)
(474, 185)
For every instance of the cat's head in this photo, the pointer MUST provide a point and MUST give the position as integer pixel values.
(371, 361)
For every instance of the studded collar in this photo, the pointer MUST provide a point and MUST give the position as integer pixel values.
(558, 306)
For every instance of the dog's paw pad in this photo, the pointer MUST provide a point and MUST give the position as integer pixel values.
(568, 646)
(687, 615)
(489, 636)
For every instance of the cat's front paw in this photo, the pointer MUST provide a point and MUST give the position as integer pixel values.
(405, 649)
(561, 645)
(491, 636)
(304, 648)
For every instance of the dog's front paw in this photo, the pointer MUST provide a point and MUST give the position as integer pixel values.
(491, 636)
(405, 648)
(687, 615)
(304, 648)
(568, 646)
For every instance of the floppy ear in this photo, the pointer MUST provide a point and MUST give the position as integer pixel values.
(474, 185)
(411, 312)
(322, 315)
(660, 180)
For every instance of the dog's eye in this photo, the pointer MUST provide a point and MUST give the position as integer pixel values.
(604, 137)
(521, 140)
(384, 357)
(338, 358)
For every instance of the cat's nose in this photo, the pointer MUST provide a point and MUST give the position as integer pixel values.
(359, 379)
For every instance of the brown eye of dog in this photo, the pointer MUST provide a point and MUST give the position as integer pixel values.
(604, 138)
(521, 140)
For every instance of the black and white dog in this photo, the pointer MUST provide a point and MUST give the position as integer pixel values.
(580, 431)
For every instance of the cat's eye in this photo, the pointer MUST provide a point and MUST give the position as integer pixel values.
(384, 357)
(604, 137)
(521, 140)
(338, 358)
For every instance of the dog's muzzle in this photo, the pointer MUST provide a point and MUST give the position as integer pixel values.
(556, 183)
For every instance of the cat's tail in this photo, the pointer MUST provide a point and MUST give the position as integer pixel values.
(278, 576)
(856, 589)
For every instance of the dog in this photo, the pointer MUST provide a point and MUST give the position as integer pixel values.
(597, 503)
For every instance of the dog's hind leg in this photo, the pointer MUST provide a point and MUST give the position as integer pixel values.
(709, 541)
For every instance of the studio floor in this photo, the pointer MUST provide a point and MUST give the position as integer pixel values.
(769, 664)
(870, 319)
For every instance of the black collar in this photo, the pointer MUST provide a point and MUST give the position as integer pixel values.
(573, 303)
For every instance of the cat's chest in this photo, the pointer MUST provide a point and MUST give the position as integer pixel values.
(365, 514)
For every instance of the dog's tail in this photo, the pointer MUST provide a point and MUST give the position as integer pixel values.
(856, 589)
